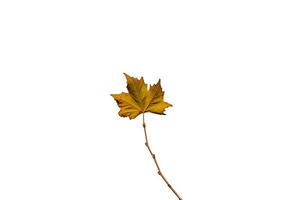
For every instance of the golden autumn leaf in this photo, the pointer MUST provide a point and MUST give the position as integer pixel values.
(140, 99)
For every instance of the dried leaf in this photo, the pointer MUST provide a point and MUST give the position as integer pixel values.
(139, 99)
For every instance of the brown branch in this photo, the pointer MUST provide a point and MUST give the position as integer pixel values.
(155, 161)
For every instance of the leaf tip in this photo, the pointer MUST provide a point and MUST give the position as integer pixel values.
(126, 75)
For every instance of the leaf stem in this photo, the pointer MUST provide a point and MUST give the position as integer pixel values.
(155, 161)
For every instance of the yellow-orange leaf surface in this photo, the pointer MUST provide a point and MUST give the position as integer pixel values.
(140, 99)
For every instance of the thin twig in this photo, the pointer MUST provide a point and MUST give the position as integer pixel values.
(155, 161)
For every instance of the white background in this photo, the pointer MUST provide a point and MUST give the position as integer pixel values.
(230, 68)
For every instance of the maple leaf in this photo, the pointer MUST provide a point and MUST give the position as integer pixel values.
(140, 99)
